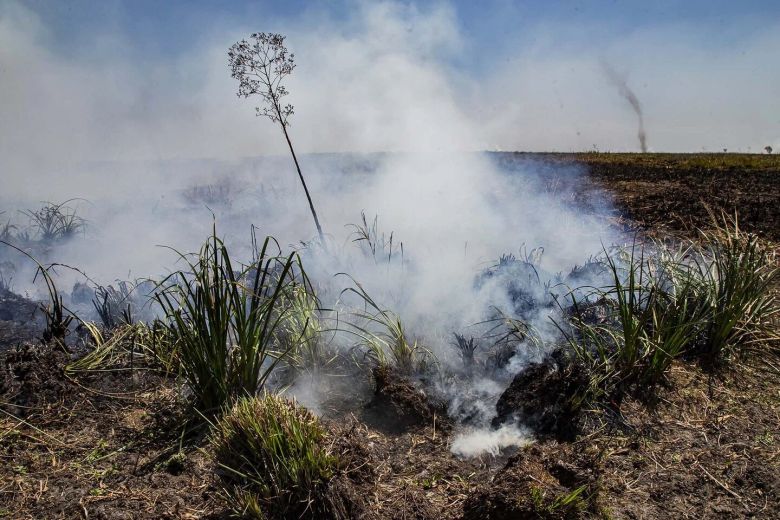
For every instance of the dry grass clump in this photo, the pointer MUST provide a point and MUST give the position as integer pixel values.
(274, 459)
(126, 347)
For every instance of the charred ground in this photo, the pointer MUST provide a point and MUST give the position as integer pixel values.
(110, 444)
(676, 192)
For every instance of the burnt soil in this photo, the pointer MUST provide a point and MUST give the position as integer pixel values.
(674, 192)
(20, 319)
(108, 445)
(540, 395)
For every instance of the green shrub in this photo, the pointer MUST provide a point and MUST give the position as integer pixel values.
(652, 317)
(274, 457)
(736, 287)
(224, 322)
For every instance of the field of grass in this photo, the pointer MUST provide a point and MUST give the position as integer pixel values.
(660, 398)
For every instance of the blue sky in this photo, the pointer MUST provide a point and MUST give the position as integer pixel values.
(126, 79)
(170, 27)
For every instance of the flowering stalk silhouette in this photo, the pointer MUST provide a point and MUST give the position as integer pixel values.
(260, 65)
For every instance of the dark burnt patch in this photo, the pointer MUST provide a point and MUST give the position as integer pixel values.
(398, 406)
(545, 481)
(543, 397)
(31, 376)
(19, 319)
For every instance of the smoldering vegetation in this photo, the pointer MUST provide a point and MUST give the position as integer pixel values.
(440, 295)
(485, 297)
(443, 279)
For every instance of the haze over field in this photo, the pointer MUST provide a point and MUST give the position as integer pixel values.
(420, 285)
(132, 81)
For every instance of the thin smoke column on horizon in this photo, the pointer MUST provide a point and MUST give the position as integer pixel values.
(626, 93)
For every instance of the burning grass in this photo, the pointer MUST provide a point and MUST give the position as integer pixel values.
(227, 328)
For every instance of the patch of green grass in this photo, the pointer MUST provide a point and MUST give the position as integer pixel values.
(572, 500)
(302, 332)
(736, 285)
(224, 319)
(98, 452)
(767, 438)
(384, 336)
(711, 300)
(651, 319)
(274, 458)
(175, 463)
(563, 505)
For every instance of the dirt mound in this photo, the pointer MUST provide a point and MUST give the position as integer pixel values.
(397, 405)
(19, 320)
(31, 375)
(541, 397)
(546, 481)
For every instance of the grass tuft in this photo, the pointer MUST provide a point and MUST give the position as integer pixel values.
(114, 306)
(385, 338)
(58, 317)
(712, 300)
(225, 322)
(374, 243)
(301, 332)
(274, 458)
(737, 289)
(56, 221)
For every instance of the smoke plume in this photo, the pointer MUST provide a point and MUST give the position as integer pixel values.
(626, 93)
(158, 145)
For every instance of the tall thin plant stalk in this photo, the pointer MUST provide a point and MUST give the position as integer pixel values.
(260, 66)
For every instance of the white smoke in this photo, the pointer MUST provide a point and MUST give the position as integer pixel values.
(628, 94)
(130, 137)
(382, 79)
(475, 442)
